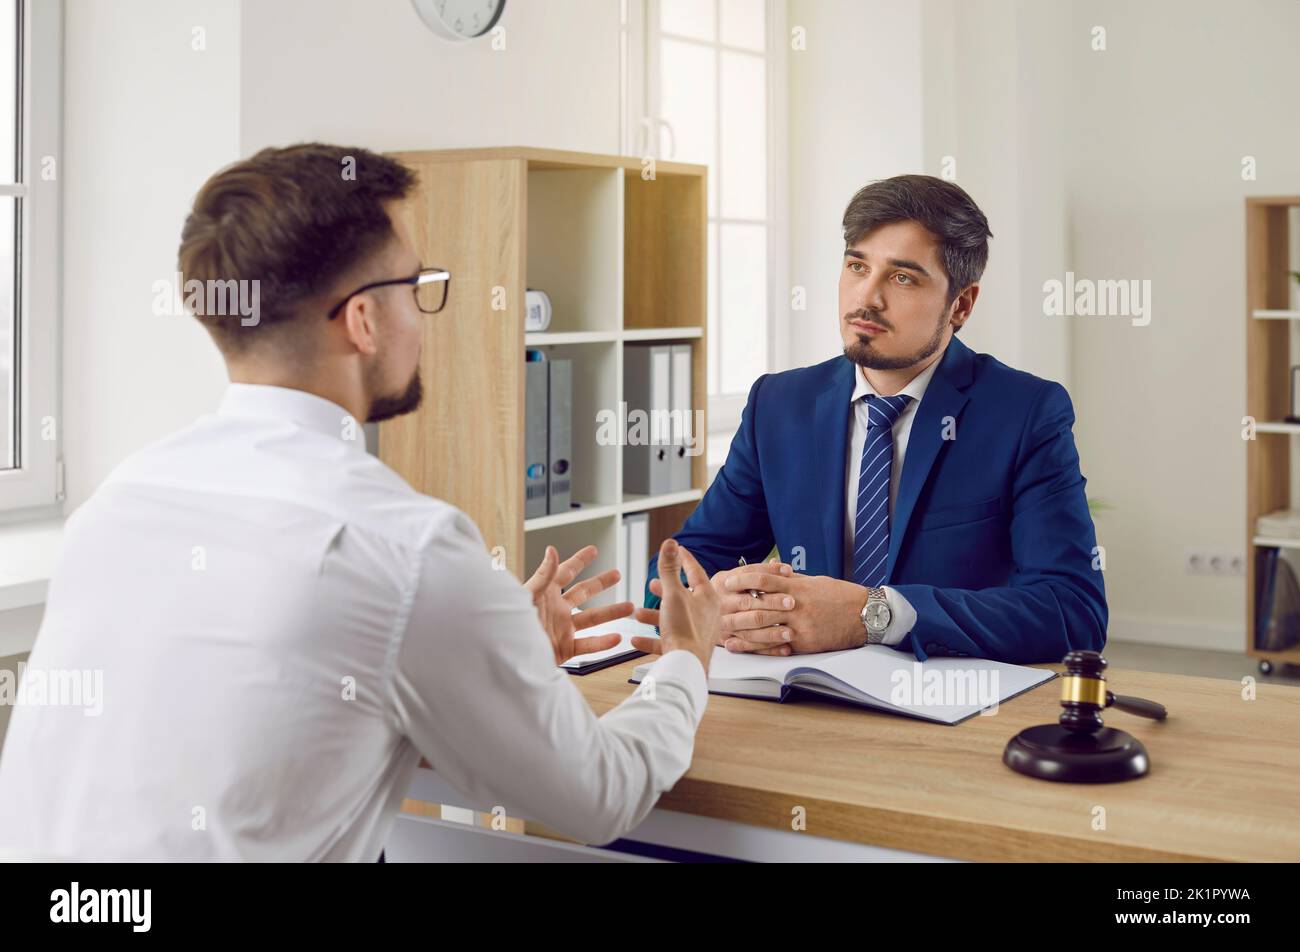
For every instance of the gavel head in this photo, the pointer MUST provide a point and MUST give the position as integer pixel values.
(1083, 691)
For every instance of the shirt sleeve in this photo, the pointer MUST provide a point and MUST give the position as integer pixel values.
(903, 616)
(476, 689)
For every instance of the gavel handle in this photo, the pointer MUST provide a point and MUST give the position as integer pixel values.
(1136, 705)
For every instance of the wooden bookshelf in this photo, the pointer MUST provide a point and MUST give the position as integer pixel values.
(1269, 358)
(623, 258)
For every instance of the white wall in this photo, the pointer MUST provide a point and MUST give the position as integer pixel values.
(371, 74)
(855, 116)
(1159, 124)
(995, 87)
(146, 119)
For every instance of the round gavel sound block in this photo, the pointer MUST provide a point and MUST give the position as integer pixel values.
(1081, 749)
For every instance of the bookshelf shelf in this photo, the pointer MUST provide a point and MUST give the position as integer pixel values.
(636, 502)
(584, 513)
(623, 259)
(662, 333)
(549, 338)
(1277, 543)
(632, 502)
(546, 338)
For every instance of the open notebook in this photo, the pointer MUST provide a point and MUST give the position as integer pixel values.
(943, 690)
(596, 660)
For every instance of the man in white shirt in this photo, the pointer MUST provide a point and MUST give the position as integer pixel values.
(281, 624)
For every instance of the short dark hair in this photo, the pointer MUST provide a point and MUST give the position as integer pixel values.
(297, 220)
(942, 207)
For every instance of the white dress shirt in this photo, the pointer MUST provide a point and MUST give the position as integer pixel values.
(904, 615)
(283, 627)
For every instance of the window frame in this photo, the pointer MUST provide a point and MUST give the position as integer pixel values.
(644, 130)
(35, 488)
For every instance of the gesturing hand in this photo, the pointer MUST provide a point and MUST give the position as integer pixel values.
(555, 605)
(688, 618)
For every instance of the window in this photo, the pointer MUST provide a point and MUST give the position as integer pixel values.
(30, 73)
(714, 95)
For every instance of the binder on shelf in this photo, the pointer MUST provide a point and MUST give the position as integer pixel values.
(560, 441)
(682, 418)
(636, 530)
(1277, 604)
(647, 375)
(536, 384)
(621, 590)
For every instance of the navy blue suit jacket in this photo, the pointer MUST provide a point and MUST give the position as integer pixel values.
(991, 539)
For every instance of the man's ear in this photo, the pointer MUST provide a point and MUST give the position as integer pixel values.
(358, 322)
(963, 305)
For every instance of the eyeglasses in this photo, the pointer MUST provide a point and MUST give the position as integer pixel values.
(430, 287)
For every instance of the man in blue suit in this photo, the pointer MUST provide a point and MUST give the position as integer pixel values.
(920, 495)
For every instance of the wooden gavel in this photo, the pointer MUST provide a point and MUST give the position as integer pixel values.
(1084, 695)
(1080, 748)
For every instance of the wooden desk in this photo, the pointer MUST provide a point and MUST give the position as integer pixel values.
(1224, 782)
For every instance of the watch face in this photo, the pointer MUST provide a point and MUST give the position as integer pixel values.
(878, 616)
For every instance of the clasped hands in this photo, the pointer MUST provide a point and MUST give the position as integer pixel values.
(791, 613)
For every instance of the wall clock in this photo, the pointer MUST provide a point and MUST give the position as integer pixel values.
(460, 20)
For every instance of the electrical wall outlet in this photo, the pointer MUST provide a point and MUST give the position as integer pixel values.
(1206, 562)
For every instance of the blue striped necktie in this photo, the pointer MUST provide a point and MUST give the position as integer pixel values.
(871, 526)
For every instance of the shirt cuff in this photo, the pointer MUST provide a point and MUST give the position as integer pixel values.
(903, 617)
(683, 668)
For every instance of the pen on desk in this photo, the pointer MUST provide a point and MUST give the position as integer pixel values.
(753, 592)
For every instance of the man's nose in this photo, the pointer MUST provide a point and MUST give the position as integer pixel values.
(871, 294)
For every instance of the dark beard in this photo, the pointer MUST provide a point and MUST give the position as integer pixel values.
(864, 355)
(385, 408)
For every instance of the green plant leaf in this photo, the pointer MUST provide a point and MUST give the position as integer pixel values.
(1097, 505)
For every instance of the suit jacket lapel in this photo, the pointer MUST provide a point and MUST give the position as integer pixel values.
(944, 397)
(830, 429)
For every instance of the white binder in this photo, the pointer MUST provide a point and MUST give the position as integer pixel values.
(637, 563)
(647, 375)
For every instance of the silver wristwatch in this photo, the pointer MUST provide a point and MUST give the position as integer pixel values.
(876, 616)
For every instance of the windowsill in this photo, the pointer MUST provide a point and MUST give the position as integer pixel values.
(27, 553)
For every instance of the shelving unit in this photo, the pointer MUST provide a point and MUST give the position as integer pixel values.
(1277, 543)
(623, 259)
(1269, 357)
